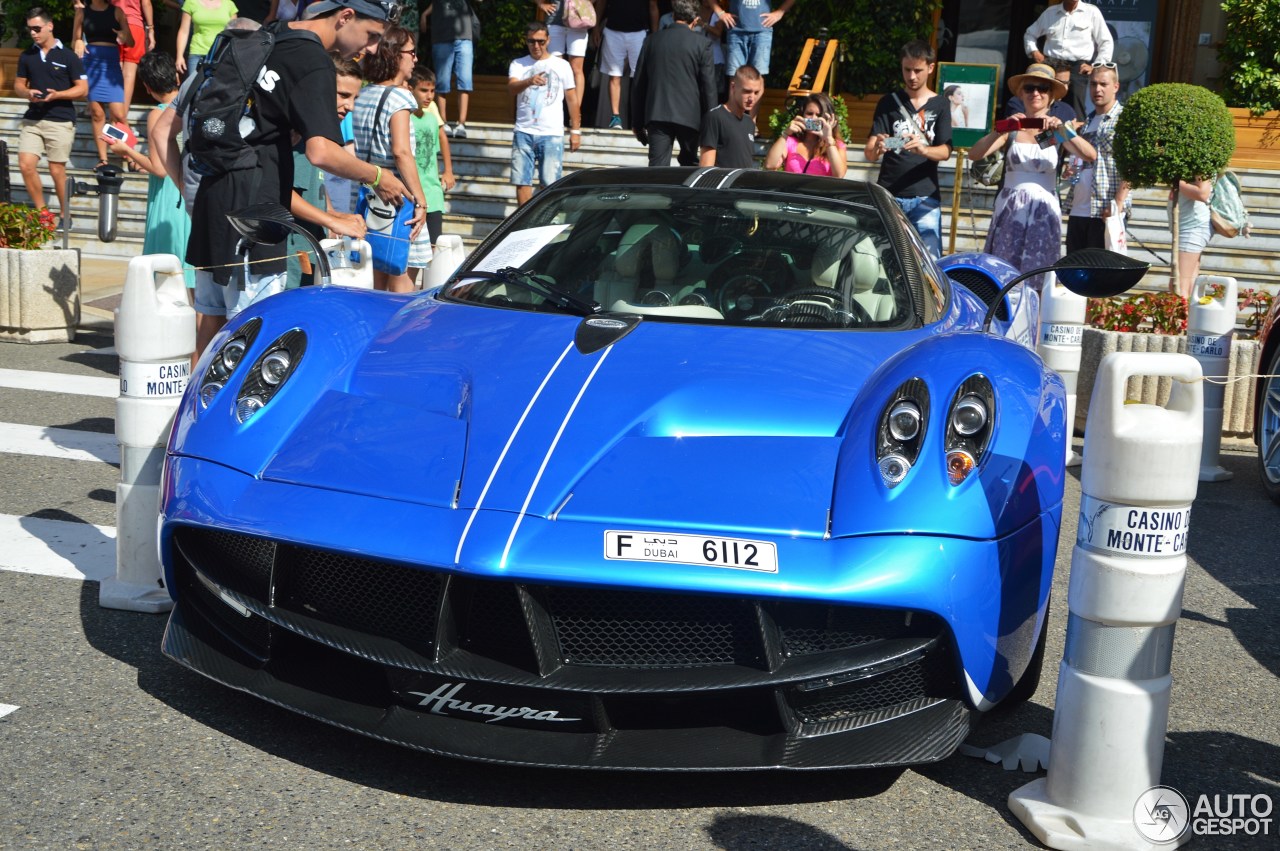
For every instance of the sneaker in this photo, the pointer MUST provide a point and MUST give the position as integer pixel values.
(448, 128)
(615, 123)
(460, 132)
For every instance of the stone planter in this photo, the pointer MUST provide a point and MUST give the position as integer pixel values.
(1237, 407)
(39, 295)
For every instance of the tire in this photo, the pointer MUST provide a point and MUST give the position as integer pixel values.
(1025, 688)
(1269, 431)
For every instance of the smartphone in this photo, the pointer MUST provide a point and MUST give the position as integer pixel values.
(1032, 123)
(813, 125)
(39, 95)
(113, 132)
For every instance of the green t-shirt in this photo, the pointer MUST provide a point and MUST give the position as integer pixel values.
(206, 23)
(426, 131)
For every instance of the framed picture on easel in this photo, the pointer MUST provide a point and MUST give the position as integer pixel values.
(971, 92)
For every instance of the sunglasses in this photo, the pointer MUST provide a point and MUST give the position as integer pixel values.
(1104, 65)
(36, 29)
(1044, 90)
(410, 52)
(536, 40)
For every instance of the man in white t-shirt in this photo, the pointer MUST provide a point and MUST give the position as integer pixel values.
(542, 85)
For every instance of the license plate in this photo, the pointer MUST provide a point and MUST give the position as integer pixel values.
(700, 550)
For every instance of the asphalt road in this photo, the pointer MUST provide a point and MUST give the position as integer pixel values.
(112, 746)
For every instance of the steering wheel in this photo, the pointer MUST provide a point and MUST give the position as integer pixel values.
(741, 295)
(822, 306)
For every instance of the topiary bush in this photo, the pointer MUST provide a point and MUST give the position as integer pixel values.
(1249, 57)
(1173, 131)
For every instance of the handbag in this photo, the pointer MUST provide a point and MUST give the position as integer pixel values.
(1113, 232)
(388, 225)
(579, 14)
(388, 231)
(989, 171)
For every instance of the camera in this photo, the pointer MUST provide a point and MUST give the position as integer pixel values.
(895, 143)
(813, 125)
(1009, 125)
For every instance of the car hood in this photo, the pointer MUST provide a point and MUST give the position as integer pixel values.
(681, 425)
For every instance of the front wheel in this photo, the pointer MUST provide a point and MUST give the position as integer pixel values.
(1269, 431)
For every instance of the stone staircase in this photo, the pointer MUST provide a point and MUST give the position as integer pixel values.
(484, 196)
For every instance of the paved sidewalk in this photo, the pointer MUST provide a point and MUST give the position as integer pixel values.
(101, 282)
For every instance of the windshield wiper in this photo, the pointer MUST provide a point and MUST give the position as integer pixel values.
(561, 298)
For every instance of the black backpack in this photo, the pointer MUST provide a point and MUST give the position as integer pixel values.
(222, 98)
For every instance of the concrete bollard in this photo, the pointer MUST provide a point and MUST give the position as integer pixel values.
(1141, 465)
(1062, 314)
(350, 262)
(1211, 322)
(155, 336)
(449, 254)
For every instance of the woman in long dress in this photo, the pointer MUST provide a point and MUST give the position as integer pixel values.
(1026, 225)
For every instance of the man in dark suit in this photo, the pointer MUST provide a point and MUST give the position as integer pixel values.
(673, 87)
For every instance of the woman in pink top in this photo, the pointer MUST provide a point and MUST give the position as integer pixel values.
(811, 143)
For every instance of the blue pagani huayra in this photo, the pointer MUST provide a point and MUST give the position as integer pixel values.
(683, 469)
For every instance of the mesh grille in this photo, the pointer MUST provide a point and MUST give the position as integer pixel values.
(372, 597)
(643, 630)
(901, 688)
(981, 286)
(239, 562)
(251, 633)
(817, 628)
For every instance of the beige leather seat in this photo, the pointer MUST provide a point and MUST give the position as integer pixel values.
(865, 269)
(642, 246)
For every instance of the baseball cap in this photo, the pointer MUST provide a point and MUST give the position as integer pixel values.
(382, 10)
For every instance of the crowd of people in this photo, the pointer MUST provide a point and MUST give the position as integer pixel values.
(698, 75)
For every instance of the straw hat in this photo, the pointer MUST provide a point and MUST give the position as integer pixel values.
(1038, 72)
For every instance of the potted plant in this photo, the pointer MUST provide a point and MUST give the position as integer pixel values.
(1169, 132)
(39, 285)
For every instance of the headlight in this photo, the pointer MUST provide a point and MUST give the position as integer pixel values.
(225, 360)
(270, 372)
(969, 427)
(248, 406)
(275, 366)
(969, 415)
(904, 420)
(901, 431)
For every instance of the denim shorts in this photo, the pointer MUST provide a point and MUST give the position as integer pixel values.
(741, 48)
(219, 300)
(925, 215)
(449, 58)
(544, 152)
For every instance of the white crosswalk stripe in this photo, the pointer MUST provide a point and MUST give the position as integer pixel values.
(6, 708)
(80, 385)
(57, 548)
(46, 546)
(66, 443)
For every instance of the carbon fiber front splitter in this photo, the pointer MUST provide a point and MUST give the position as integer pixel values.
(369, 698)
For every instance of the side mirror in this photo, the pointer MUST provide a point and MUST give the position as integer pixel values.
(271, 224)
(1090, 272)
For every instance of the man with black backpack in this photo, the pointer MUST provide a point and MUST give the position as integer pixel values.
(241, 140)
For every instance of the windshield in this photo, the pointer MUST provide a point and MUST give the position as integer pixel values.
(681, 255)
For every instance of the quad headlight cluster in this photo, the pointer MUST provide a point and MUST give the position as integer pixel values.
(263, 379)
(904, 423)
